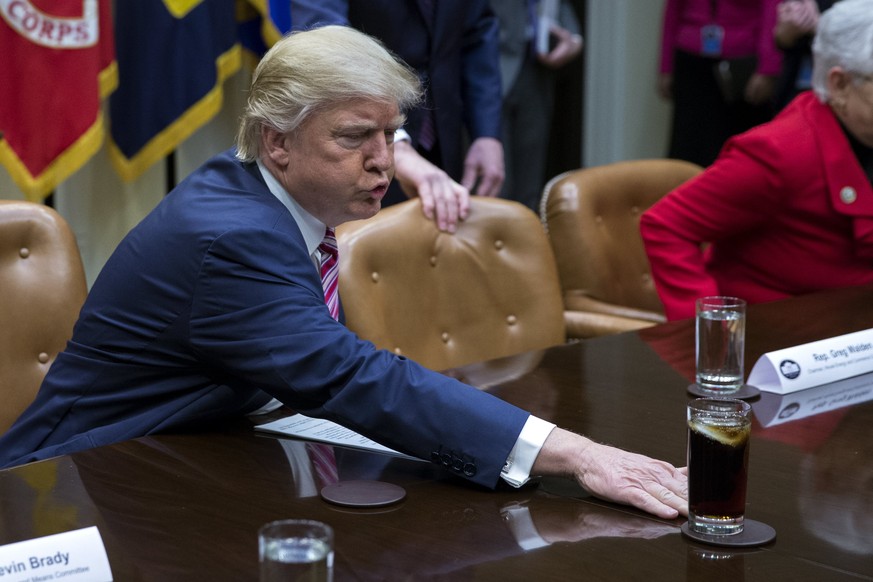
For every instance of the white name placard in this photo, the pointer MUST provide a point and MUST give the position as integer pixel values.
(814, 364)
(74, 556)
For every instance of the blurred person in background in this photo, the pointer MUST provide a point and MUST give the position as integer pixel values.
(718, 66)
(530, 57)
(795, 28)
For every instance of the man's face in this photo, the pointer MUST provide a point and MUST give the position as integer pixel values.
(339, 162)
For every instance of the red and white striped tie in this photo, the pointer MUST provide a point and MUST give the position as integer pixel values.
(330, 271)
(322, 456)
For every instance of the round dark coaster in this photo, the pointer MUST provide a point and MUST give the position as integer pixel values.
(363, 493)
(745, 392)
(754, 533)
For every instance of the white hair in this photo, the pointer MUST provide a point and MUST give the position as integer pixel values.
(844, 39)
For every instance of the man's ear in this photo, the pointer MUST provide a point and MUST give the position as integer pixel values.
(275, 144)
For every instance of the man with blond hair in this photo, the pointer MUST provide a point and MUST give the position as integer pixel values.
(214, 307)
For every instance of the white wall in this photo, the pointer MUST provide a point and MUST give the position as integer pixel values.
(623, 119)
(623, 116)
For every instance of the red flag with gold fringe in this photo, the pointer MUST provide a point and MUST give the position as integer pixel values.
(58, 64)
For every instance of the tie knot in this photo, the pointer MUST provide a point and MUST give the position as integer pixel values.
(328, 243)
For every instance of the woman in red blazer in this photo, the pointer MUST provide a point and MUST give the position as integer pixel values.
(787, 208)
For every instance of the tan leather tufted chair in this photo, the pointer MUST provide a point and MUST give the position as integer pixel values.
(42, 289)
(592, 217)
(445, 300)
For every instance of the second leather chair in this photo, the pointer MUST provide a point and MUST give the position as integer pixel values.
(592, 216)
(489, 290)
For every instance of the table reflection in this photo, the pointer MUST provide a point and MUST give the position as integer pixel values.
(836, 486)
(772, 409)
(153, 496)
(715, 563)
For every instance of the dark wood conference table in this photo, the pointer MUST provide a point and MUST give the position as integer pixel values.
(188, 507)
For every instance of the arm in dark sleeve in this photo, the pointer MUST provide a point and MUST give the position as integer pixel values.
(259, 319)
(481, 72)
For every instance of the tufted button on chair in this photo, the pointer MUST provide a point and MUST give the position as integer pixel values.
(592, 217)
(445, 300)
(42, 285)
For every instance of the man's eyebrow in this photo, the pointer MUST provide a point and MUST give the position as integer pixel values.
(364, 126)
(356, 126)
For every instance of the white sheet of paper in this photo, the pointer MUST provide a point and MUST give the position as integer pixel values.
(325, 431)
(547, 16)
(814, 364)
(73, 556)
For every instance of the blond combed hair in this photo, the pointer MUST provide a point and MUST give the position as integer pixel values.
(314, 69)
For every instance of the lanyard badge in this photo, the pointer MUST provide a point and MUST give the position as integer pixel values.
(711, 37)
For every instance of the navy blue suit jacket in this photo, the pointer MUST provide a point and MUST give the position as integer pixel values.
(212, 305)
(457, 57)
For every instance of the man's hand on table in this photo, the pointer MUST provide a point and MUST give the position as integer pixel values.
(615, 475)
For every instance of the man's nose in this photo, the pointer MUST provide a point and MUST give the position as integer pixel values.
(379, 155)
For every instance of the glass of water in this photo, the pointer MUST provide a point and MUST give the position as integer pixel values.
(296, 549)
(720, 344)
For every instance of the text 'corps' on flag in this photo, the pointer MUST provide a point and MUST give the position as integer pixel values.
(173, 56)
(58, 64)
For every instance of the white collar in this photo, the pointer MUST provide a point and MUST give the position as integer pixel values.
(312, 229)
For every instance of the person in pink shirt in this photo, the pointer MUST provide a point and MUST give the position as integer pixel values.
(787, 208)
(719, 66)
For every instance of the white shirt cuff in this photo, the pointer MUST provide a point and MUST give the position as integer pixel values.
(516, 470)
(401, 134)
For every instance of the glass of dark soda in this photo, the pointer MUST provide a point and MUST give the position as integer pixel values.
(718, 461)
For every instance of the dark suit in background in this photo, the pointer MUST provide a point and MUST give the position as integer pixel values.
(528, 89)
(796, 74)
(455, 54)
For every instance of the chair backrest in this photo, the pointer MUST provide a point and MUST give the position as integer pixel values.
(488, 290)
(42, 289)
(592, 217)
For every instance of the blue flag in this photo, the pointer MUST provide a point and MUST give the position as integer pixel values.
(173, 56)
(267, 22)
